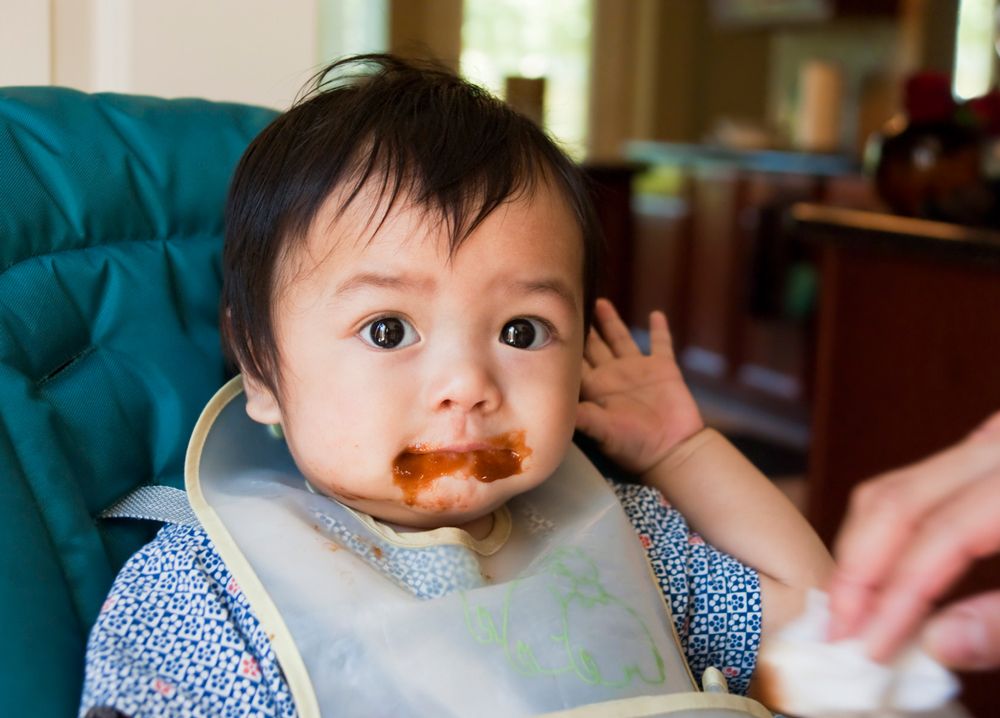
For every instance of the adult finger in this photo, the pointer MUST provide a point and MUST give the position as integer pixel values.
(960, 532)
(613, 329)
(884, 514)
(989, 430)
(966, 635)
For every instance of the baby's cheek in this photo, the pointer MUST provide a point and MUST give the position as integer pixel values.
(341, 476)
(332, 483)
(555, 436)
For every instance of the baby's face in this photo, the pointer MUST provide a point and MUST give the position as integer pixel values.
(422, 390)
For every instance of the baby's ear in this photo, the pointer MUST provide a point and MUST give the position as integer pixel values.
(262, 405)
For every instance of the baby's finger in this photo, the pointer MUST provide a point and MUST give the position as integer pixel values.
(966, 635)
(660, 341)
(960, 532)
(595, 350)
(586, 379)
(613, 329)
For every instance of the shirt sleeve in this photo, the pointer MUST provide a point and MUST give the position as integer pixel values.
(176, 637)
(715, 600)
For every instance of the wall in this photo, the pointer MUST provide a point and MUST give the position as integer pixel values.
(663, 70)
(705, 72)
(617, 81)
(256, 51)
(732, 73)
(24, 43)
(940, 20)
(253, 51)
(865, 52)
(426, 29)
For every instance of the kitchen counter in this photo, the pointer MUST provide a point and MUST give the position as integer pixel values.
(805, 163)
(848, 226)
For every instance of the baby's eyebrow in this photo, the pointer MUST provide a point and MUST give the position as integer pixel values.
(553, 287)
(404, 282)
(401, 282)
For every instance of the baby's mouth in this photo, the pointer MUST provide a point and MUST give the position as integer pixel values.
(415, 468)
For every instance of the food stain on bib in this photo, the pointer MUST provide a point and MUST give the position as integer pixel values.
(416, 469)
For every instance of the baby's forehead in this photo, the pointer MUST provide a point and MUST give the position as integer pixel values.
(528, 241)
(358, 218)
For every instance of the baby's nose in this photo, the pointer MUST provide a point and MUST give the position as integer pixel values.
(468, 385)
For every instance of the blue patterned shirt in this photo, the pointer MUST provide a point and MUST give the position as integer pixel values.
(177, 637)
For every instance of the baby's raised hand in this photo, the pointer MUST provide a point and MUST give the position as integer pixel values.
(637, 407)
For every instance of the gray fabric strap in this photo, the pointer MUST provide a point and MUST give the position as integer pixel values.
(153, 503)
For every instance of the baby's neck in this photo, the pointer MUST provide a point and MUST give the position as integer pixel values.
(478, 528)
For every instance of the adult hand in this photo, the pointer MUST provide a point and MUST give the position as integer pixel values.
(908, 537)
(637, 407)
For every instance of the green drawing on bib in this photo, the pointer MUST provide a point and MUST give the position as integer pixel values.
(569, 600)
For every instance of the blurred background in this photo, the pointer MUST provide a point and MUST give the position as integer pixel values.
(810, 188)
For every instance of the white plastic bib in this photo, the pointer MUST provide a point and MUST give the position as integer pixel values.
(556, 610)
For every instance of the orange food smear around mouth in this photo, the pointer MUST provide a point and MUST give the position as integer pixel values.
(415, 471)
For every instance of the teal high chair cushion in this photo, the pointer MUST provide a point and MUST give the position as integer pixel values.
(111, 221)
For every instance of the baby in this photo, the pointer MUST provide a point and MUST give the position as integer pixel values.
(409, 292)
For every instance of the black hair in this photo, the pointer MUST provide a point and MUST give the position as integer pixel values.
(412, 129)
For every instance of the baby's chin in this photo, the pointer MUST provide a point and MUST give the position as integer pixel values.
(452, 501)
(420, 518)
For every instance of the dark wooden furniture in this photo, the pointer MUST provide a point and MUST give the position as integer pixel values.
(908, 356)
(908, 359)
(730, 256)
(611, 184)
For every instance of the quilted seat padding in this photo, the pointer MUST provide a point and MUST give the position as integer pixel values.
(110, 237)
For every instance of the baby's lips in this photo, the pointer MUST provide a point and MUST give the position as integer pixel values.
(450, 448)
(513, 441)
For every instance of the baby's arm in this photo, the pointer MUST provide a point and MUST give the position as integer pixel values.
(643, 416)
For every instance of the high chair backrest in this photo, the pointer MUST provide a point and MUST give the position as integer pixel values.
(111, 221)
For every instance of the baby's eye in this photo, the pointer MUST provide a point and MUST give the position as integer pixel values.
(388, 333)
(524, 333)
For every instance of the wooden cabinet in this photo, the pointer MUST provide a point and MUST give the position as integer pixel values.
(866, 8)
(907, 360)
(907, 347)
(611, 184)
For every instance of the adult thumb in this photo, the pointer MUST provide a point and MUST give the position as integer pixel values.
(966, 634)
